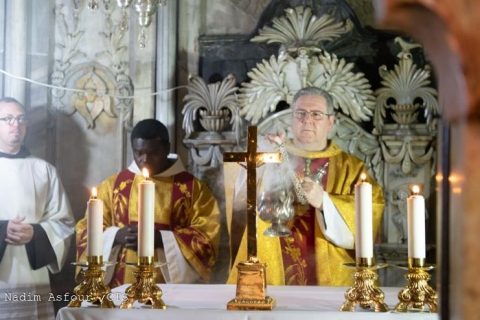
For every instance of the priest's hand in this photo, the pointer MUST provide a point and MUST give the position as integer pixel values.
(276, 138)
(127, 237)
(313, 192)
(18, 232)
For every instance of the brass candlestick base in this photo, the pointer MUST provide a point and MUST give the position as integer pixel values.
(365, 291)
(91, 287)
(251, 287)
(417, 296)
(144, 289)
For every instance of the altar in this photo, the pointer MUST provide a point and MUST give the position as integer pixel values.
(186, 301)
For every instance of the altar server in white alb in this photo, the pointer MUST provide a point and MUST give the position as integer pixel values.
(36, 222)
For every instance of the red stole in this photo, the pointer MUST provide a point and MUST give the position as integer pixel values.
(298, 249)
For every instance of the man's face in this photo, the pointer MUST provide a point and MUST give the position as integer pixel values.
(12, 128)
(151, 154)
(310, 129)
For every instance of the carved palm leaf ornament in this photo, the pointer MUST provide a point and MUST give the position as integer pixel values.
(259, 97)
(216, 104)
(302, 63)
(300, 28)
(351, 92)
(405, 89)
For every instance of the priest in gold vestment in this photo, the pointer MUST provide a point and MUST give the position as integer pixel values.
(186, 214)
(323, 228)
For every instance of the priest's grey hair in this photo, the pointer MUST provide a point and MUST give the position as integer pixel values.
(314, 91)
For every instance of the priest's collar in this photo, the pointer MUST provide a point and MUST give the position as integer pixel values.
(22, 153)
(331, 150)
(174, 169)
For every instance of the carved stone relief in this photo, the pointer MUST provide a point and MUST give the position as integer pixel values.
(93, 87)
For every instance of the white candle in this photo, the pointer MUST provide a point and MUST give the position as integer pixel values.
(363, 219)
(94, 225)
(146, 222)
(416, 224)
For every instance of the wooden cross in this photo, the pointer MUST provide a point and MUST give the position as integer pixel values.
(253, 159)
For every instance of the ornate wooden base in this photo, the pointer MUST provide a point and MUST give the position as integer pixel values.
(251, 287)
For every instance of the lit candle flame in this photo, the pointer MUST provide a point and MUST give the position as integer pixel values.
(94, 193)
(363, 177)
(415, 189)
(145, 173)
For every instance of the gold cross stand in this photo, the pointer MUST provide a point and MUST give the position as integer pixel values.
(251, 280)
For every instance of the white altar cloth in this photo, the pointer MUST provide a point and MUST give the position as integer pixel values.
(186, 301)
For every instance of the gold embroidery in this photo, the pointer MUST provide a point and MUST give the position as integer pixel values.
(120, 202)
(199, 244)
(296, 272)
(183, 189)
(183, 205)
(124, 184)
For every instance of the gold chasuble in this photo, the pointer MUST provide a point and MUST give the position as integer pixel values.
(306, 257)
(183, 205)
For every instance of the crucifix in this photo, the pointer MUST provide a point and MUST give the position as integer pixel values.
(253, 160)
(251, 282)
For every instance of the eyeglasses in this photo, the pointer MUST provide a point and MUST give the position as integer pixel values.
(315, 115)
(10, 120)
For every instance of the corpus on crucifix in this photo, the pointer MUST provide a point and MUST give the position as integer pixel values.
(251, 281)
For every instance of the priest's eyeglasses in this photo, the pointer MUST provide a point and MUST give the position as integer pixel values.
(315, 115)
(10, 120)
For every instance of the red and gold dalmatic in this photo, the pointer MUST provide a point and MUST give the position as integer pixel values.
(183, 205)
(306, 257)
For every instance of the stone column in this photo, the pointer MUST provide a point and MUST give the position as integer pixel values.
(166, 67)
(16, 35)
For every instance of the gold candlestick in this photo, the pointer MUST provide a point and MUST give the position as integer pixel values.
(144, 289)
(92, 287)
(365, 291)
(417, 296)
